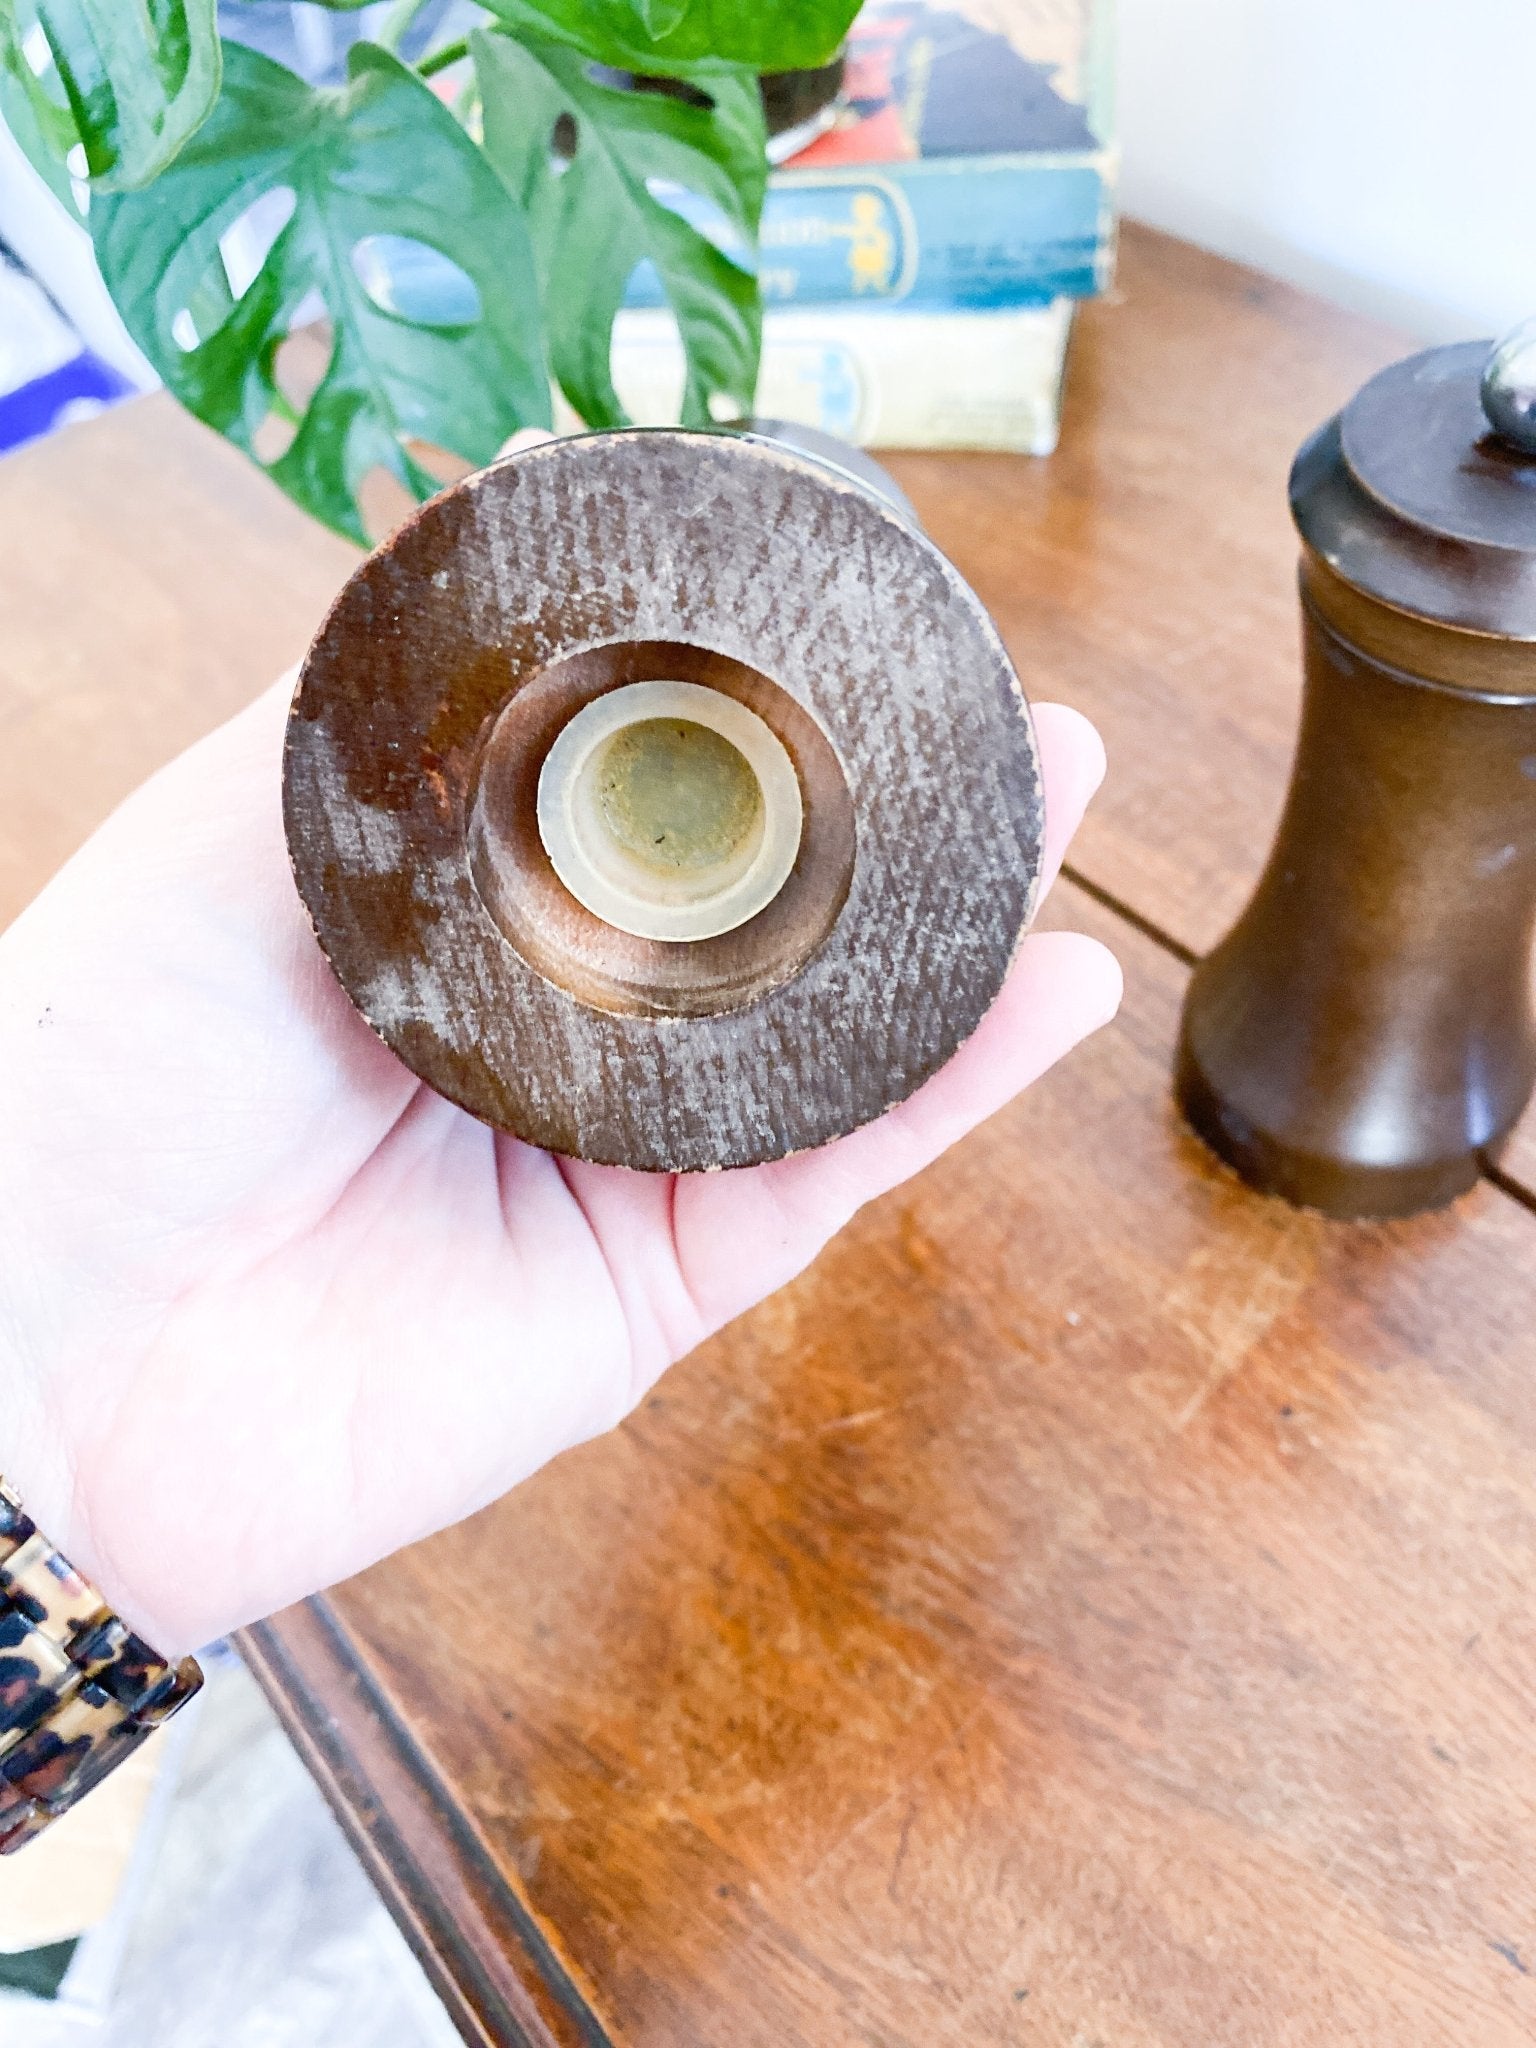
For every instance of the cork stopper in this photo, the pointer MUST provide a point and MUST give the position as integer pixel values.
(670, 810)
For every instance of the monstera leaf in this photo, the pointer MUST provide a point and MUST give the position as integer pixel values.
(399, 233)
(588, 161)
(36, 117)
(686, 38)
(138, 78)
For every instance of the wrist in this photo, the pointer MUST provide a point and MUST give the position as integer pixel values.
(40, 1471)
(81, 1689)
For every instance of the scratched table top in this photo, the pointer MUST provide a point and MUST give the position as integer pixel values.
(1092, 1608)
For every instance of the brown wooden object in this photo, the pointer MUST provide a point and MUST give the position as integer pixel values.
(1092, 1606)
(461, 650)
(1363, 1040)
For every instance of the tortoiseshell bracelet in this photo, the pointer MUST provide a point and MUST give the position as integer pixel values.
(78, 1689)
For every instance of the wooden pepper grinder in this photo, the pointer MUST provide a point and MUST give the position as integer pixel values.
(1362, 1041)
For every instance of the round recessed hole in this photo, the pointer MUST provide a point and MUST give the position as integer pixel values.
(670, 810)
(770, 819)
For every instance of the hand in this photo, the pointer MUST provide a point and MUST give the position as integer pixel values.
(270, 1308)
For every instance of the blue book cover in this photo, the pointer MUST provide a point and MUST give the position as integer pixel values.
(967, 232)
(965, 163)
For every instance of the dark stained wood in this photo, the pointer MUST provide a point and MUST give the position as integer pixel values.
(1092, 1606)
(1091, 1582)
(493, 1970)
(1363, 1040)
(456, 656)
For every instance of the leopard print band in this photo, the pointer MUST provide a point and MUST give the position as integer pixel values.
(78, 1689)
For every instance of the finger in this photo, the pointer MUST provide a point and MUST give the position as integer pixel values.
(1072, 767)
(525, 437)
(1062, 988)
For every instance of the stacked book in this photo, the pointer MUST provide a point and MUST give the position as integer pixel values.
(923, 249)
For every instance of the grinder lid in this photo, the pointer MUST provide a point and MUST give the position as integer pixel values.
(1421, 493)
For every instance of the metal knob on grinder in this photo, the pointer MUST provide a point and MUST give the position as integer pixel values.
(1509, 389)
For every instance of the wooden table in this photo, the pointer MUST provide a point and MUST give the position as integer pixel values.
(1093, 1607)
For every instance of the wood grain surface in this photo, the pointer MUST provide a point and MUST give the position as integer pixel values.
(150, 583)
(1092, 1607)
(552, 576)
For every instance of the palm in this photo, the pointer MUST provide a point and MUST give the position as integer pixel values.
(272, 1307)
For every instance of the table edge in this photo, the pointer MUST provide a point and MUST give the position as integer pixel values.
(508, 1989)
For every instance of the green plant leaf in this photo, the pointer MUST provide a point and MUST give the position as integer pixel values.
(139, 78)
(595, 215)
(40, 123)
(378, 161)
(686, 38)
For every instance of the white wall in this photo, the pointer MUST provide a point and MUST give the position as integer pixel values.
(1380, 152)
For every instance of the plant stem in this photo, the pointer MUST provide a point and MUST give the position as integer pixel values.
(399, 19)
(439, 60)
